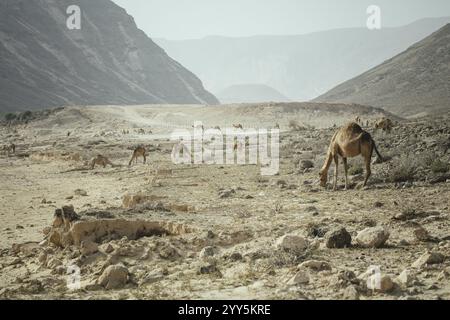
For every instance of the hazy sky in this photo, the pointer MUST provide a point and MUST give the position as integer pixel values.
(187, 19)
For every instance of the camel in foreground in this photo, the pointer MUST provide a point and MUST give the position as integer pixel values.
(138, 152)
(101, 161)
(348, 142)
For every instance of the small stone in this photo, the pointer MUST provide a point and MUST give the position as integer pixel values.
(292, 243)
(207, 269)
(53, 263)
(338, 238)
(208, 252)
(106, 248)
(114, 277)
(351, 293)
(306, 164)
(315, 265)
(235, 256)
(88, 248)
(301, 277)
(421, 234)
(406, 278)
(378, 204)
(43, 258)
(428, 258)
(81, 192)
(372, 237)
(386, 284)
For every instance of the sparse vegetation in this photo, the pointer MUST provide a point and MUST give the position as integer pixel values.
(402, 170)
(439, 166)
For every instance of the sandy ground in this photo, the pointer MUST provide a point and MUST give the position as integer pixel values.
(231, 210)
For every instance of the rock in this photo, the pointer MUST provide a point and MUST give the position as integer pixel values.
(351, 293)
(386, 284)
(43, 258)
(372, 237)
(301, 277)
(81, 192)
(235, 256)
(207, 269)
(292, 243)
(114, 277)
(152, 277)
(208, 252)
(445, 274)
(53, 263)
(338, 238)
(88, 248)
(421, 234)
(406, 278)
(378, 204)
(306, 164)
(428, 258)
(106, 248)
(315, 265)
(226, 193)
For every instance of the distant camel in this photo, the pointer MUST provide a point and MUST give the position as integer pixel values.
(348, 142)
(384, 124)
(238, 126)
(138, 152)
(101, 161)
(277, 126)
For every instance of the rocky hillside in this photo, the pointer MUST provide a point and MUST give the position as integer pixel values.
(300, 66)
(415, 82)
(250, 93)
(108, 61)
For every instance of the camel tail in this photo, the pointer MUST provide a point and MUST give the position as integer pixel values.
(376, 151)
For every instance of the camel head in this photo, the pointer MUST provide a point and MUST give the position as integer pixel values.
(323, 176)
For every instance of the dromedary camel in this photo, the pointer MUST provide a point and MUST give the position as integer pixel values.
(348, 142)
(138, 152)
(384, 124)
(101, 161)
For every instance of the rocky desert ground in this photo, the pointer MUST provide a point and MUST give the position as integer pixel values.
(165, 231)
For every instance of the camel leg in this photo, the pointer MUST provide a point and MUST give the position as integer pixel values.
(145, 159)
(131, 161)
(344, 160)
(368, 171)
(336, 163)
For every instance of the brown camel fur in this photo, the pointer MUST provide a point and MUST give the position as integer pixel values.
(348, 142)
(101, 161)
(138, 152)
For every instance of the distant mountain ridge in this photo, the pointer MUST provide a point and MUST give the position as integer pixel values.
(300, 66)
(108, 61)
(415, 82)
(250, 93)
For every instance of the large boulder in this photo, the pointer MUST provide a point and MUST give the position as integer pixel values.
(114, 277)
(292, 243)
(338, 238)
(372, 237)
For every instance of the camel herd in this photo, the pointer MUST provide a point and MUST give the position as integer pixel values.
(349, 141)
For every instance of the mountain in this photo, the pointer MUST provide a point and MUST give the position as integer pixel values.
(250, 93)
(301, 66)
(414, 82)
(108, 61)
